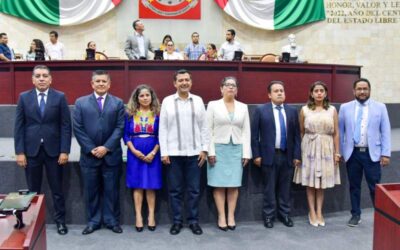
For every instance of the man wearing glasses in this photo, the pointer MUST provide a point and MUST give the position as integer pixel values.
(365, 143)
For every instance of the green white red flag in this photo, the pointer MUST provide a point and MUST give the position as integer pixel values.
(58, 12)
(274, 14)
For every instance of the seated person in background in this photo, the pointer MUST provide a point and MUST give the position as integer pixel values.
(166, 39)
(294, 49)
(36, 51)
(97, 55)
(170, 53)
(211, 53)
(6, 53)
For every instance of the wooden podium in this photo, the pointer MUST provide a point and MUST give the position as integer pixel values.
(387, 217)
(33, 235)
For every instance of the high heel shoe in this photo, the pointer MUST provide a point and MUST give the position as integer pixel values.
(139, 229)
(152, 228)
(225, 228)
(321, 222)
(314, 224)
(232, 227)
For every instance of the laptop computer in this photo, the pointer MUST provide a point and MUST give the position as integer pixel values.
(158, 55)
(285, 56)
(16, 201)
(237, 56)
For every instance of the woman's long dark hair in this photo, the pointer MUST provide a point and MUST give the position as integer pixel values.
(39, 45)
(311, 102)
(133, 105)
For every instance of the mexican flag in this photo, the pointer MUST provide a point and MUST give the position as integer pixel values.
(58, 12)
(274, 14)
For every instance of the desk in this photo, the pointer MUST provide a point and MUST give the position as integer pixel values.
(73, 78)
(387, 217)
(33, 235)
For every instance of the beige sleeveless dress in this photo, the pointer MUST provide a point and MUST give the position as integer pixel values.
(318, 169)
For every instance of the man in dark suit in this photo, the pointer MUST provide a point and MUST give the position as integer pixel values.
(137, 45)
(42, 136)
(98, 127)
(275, 142)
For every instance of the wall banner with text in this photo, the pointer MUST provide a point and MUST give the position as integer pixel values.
(170, 9)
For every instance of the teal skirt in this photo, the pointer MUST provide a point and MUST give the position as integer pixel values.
(228, 170)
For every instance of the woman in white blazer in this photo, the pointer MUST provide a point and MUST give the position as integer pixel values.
(229, 150)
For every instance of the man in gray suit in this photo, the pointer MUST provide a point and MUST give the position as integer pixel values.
(137, 45)
(98, 127)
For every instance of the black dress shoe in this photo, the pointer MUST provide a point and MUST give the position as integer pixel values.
(196, 229)
(151, 228)
(62, 229)
(286, 220)
(139, 229)
(89, 230)
(116, 229)
(175, 229)
(269, 223)
(225, 228)
(232, 227)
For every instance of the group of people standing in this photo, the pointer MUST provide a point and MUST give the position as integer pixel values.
(182, 135)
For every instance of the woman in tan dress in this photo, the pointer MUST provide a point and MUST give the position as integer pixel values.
(320, 150)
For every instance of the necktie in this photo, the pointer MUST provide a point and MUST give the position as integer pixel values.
(42, 103)
(357, 130)
(283, 128)
(99, 103)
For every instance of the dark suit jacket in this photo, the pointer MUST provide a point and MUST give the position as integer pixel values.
(263, 134)
(93, 128)
(54, 128)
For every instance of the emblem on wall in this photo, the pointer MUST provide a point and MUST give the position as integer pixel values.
(170, 9)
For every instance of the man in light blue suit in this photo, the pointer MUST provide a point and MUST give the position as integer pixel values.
(365, 143)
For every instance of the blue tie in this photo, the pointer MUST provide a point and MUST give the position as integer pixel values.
(283, 128)
(42, 103)
(357, 130)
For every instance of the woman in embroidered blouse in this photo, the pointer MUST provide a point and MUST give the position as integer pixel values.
(143, 167)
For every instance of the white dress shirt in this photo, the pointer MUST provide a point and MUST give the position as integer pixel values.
(46, 93)
(39, 97)
(183, 127)
(227, 50)
(102, 100)
(364, 124)
(55, 51)
(140, 40)
(278, 125)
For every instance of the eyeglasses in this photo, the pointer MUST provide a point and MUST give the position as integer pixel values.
(233, 85)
